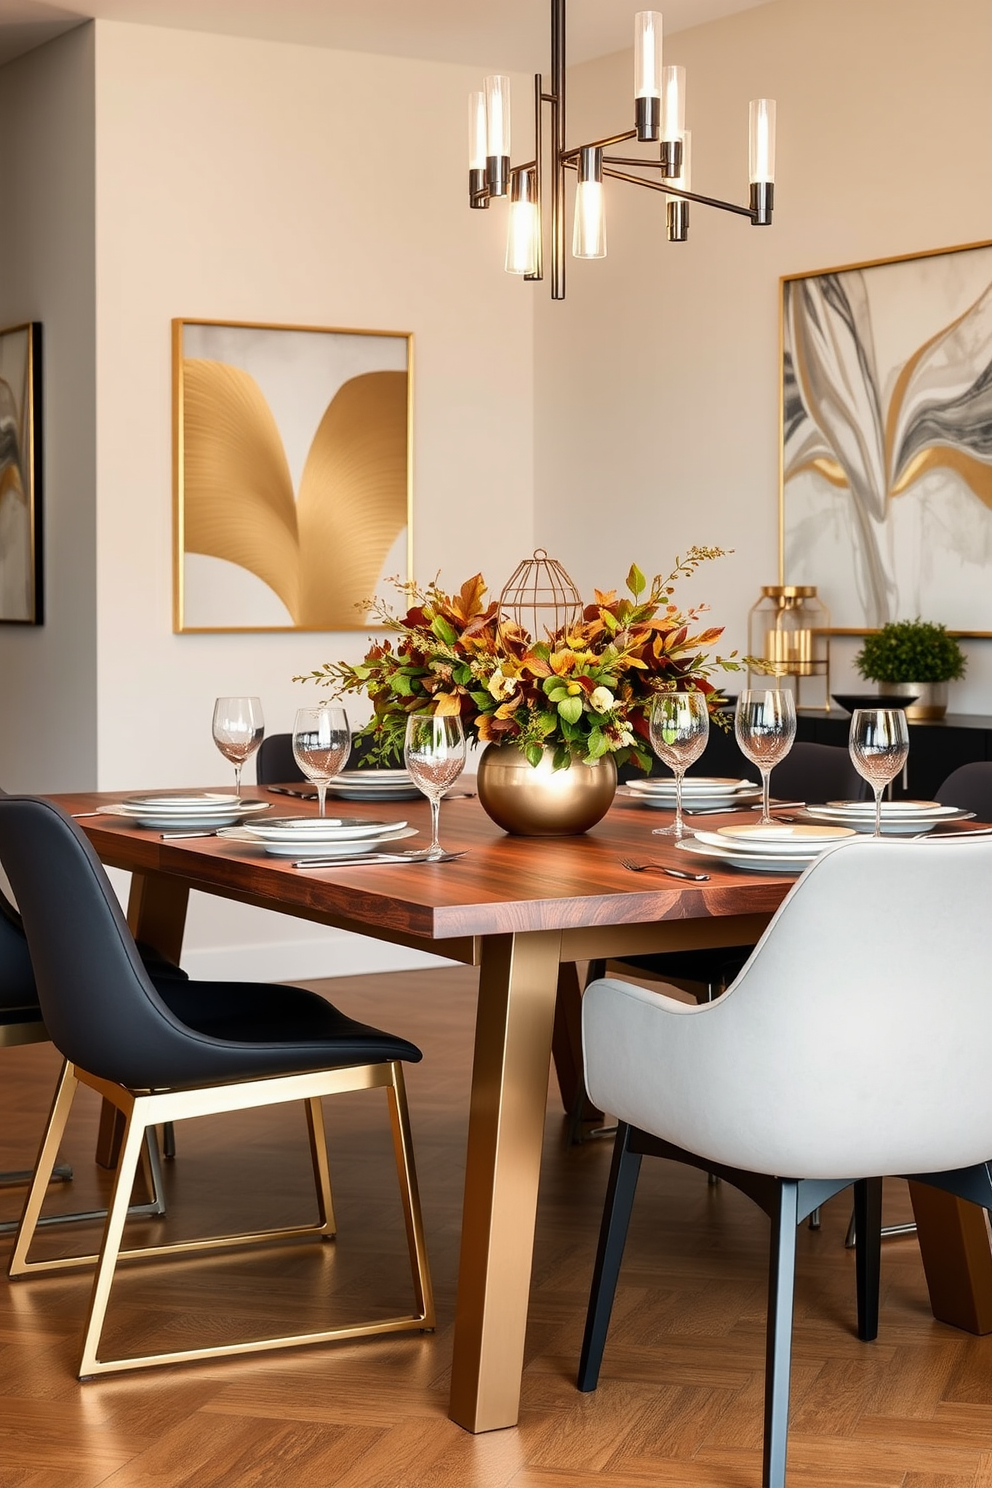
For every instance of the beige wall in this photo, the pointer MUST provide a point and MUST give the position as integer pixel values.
(48, 712)
(249, 181)
(657, 379)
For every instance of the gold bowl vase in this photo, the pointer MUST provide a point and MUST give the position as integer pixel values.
(537, 801)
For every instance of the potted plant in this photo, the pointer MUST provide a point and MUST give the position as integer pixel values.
(913, 657)
(577, 700)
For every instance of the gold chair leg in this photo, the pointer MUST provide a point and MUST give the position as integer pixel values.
(399, 1116)
(65, 1092)
(321, 1168)
(127, 1167)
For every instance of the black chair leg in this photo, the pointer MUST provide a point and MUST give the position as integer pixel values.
(778, 1348)
(868, 1258)
(612, 1238)
(168, 1140)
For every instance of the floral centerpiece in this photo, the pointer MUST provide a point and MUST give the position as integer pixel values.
(580, 693)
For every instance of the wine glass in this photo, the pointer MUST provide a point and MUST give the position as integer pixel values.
(321, 745)
(237, 731)
(765, 725)
(879, 745)
(434, 754)
(680, 727)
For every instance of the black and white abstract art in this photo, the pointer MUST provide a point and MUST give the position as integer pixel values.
(887, 439)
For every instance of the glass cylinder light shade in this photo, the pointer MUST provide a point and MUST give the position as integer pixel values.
(589, 229)
(647, 54)
(497, 116)
(672, 103)
(761, 140)
(523, 226)
(477, 131)
(790, 627)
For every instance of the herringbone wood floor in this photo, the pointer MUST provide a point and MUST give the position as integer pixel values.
(680, 1399)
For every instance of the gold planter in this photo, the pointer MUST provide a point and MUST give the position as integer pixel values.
(530, 801)
(931, 697)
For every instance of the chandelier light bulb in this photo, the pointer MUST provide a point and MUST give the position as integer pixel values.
(476, 131)
(523, 227)
(761, 140)
(497, 115)
(672, 103)
(589, 228)
(647, 54)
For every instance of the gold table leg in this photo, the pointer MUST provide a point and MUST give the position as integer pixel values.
(156, 915)
(506, 1132)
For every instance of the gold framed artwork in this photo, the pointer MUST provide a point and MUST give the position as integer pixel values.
(292, 473)
(21, 590)
(886, 448)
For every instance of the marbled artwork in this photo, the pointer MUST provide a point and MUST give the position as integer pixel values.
(292, 474)
(887, 439)
(20, 475)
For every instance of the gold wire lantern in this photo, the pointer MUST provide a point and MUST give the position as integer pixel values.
(540, 597)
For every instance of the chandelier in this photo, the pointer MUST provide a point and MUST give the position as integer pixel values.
(659, 118)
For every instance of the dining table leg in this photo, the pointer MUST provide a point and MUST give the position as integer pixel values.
(156, 916)
(517, 984)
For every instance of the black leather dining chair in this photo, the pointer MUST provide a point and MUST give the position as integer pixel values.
(181, 1049)
(275, 763)
(970, 787)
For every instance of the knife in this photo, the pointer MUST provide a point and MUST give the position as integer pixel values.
(357, 862)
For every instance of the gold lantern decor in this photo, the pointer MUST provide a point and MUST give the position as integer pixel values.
(540, 597)
(789, 628)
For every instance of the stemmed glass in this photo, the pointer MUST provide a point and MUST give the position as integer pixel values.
(680, 726)
(879, 745)
(434, 754)
(321, 745)
(765, 725)
(237, 731)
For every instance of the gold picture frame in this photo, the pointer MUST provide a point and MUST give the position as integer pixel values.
(292, 473)
(885, 457)
(21, 549)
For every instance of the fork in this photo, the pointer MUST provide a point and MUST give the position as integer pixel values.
(660, 868)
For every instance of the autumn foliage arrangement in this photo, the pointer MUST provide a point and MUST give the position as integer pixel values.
(584, 691)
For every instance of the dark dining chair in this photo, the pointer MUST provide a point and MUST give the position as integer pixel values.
(970, 787)
(181, 1049)
(812, 1071)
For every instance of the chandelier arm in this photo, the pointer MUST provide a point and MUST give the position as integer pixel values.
(557, 149)
(539, 173)
(600, 144)
(664, 186)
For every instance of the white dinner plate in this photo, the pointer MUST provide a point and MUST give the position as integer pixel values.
(889, 808)
(373, 779)
(351, 791)
(308, 848)
(775, 834)
(692, 785)
(756, 862)
(325, 829)
(808, 851)
(190, 816)
(728, 803)
(179, 800)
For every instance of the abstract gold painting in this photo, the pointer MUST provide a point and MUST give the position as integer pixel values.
(887, 439)
(292, 473)
(21, 594)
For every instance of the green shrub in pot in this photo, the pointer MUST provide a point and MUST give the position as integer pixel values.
(911, 651)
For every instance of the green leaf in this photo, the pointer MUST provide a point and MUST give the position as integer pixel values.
(535, 754)
(547, 723)
(402, 684)
(562, 758)
(636, 582)
(596, 745)
(444, 631)
(570, 708)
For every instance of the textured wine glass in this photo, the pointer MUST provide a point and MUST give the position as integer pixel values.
(237, 731)
(879, 745)
(434, 754)
(680, 727)
(321, 745)
(765, 726)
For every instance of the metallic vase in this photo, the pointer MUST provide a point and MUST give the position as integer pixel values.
(931, 697)
(530, 801)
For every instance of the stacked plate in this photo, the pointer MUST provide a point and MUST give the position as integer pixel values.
(185, 809)
(319, 836)
(704, 792)
(374, 785)
(899, 818)
(777, 847)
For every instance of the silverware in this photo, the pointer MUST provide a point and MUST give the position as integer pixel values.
(393, 858)
(174, 836)
(288, 790)
(660, 868)
(78, 815)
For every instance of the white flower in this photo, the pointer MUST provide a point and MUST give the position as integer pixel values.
(601, 700)
(500, 687)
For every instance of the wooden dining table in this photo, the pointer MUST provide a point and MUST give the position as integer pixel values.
(527, 912)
